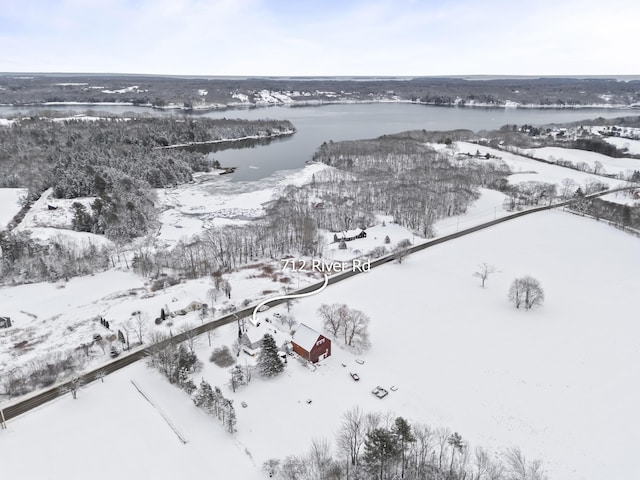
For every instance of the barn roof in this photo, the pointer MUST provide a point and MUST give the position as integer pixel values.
(306, 337)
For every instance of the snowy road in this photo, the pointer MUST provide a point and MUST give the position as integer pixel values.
(14, 409)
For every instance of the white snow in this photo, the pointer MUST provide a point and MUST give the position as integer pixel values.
(610, 165)
(46, 224)
(9, 204)
(632, 146)
(133, 88)
(557, 381)
(112, 432)
(526, 169)
(5, 122)
(190, 209)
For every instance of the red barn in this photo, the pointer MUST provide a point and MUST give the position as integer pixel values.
(310, 345)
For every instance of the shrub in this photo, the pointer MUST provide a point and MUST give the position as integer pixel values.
(222, 357)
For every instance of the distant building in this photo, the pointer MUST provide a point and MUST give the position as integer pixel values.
(5, 322)
(348, 235)
(192, 307)
(310, 344)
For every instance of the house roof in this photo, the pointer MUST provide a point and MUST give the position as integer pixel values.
(255, 334)
(349, 233)
(306, 337)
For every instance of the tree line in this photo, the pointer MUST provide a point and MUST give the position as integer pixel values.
(116, 159)
(377, 446)
(401, 177)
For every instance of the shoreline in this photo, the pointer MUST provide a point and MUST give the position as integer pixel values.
(321, 102)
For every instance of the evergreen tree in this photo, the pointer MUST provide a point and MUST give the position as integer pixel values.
(230, 417)
(237, 377)
(204, 396)
(269, 363)
(218, 402)
(456, 443)
(626, 215)
(405, 436)
(381, 447)
(188, 386)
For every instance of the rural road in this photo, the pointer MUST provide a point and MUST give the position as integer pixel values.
(13, 409)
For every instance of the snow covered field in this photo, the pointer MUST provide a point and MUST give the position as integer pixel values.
(632, 146)
(556, 381)
(9, 204)
(610, 165)
(46, 224)
(525, 169)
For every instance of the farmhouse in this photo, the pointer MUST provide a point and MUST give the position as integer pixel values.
(192, 307)
(348, 235)
(310, 345)
(5, 322)
(252, 337)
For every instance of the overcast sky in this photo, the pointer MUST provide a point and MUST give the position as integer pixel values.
(328, 37)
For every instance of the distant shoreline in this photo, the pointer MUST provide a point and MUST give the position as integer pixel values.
(321, 102)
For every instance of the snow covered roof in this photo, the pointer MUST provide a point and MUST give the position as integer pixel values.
(305, 337)
(349, 233)
(255, 334)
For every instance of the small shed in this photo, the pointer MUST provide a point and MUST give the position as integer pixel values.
(310, 344)
(5, 322)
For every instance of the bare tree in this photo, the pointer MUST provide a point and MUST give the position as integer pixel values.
(319, 458)
(74, 386)
(401, 250)
(332, 320)
(140, 324)
(483, 272)
(213, 293)
(356, 332)
(568, 187)
(519, 469)
(100, 374)
(526, 291)
(442, 435)
(351, 324)
(190, 336)
(351, 434)
(289, 321)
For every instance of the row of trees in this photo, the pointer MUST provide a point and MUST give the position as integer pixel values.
(213, 402)
(25, 260)
(373, 446)
(177, 363)
(396, 176)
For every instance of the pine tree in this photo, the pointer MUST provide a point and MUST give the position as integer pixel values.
(218, 402)
(237, 377)
(230, 417)
(204, 397)
(380, 449)
(405, 435)
(626, 215)
(269, 363)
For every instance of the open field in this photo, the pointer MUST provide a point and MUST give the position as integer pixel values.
(460, 355)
